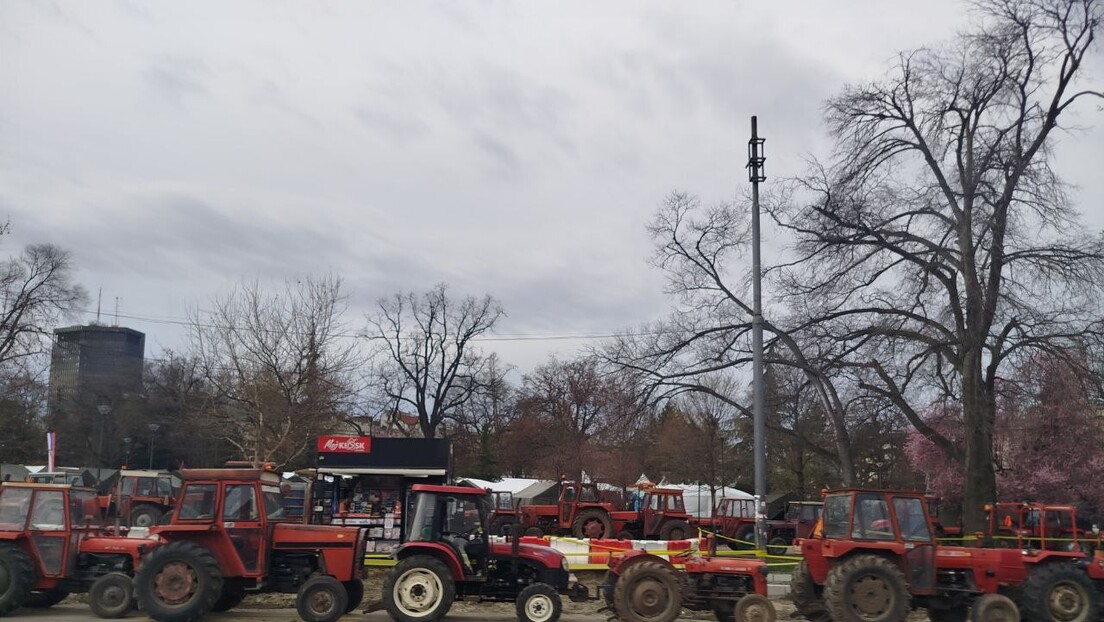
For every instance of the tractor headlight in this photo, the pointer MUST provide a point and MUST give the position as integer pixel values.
(563, 563)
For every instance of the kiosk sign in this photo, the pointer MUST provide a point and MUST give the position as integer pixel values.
(345, 444)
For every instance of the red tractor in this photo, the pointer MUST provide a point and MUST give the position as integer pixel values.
(141, 498)
(226, 539)
(579, 512)
(877, 556)
(641, 587)
(734, 519)
(505, 514)
(448, 555)
(662, 516)
(53, 543)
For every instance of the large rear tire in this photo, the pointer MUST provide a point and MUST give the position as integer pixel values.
(178, 582)
(867, 588)
(17, 574)
(111, 596)
(676, 530)
(321, 599)
(647, 592)
(1060, 592)
(46, 598)
(805, 596)
(592, 523)
(418, 589)
(994, 608)
(539, 602)
(145, 515)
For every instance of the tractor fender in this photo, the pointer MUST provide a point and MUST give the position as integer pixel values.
(633, 557)
(433, 549)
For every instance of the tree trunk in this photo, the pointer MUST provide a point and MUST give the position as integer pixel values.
(979, 416)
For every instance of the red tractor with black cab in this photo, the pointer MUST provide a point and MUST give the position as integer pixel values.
(227, 539)
(53, 543)
(642, 587)
(449, 555)
(876, 557)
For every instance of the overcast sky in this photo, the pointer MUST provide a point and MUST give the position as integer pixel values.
(514, 148)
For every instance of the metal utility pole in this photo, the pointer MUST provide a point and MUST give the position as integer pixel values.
(756, 158)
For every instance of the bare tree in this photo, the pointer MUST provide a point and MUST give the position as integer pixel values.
(481, 421)
(279, 365)
(939, 245)
(709, 334)
(36, 291)
(426, 359)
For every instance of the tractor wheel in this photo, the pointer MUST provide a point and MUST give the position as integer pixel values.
(145, 515)
(954, 614)
(755, 608)
(647, 592)
(778, 546)
(867, 588)
(995, 608)
(178, 582)
(46, 598)
(535, 532)
(1060, 592)
(676, 530)
(594, 524)
(17, 574)
(745, 537)
(232, 596)
(539, 603)
(355, 590)
(625, 534)
(112, 595)
(321, 599)
(805, 596)
(502, 525)
(418, 589)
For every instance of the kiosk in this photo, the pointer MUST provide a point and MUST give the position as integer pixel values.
(365, 480)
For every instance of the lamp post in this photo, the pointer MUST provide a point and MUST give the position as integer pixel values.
(756, 158)
(153, 428)
(104, 411)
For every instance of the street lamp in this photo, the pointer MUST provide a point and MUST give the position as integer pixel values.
(104, 411)
(153, 428)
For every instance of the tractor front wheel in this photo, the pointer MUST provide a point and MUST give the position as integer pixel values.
(535, 532)
(1060, 592)
(502, 525)
(994, 608)
(321, 599)
(778, 546)
(594, 524)
(111, 596)
(418, 589)
(178, 582)
(755, 608)
(539, 602)
(867, 588)
(17, 574)
(647, 592)
(355, 591)
(803, 593)
(676, 530)
(145, 515)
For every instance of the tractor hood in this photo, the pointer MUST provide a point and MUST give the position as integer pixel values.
(547, 556)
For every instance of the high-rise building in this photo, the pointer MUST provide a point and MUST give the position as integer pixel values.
(94, 372)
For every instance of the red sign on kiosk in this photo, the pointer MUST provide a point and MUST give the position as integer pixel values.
(345, 444)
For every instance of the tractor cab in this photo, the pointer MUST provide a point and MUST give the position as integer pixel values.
(575, 497)
(660, 505)
(895, 524)
(1034, 527)
(455, 518)
(49, 521)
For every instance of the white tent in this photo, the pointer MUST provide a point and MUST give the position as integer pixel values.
(697, 499)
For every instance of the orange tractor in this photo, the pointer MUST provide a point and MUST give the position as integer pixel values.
(581, 513)
(141, 498)
(876, 557)
(227, 538)
(53, 543)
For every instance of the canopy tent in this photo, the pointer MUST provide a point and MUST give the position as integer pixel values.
(698, 501)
